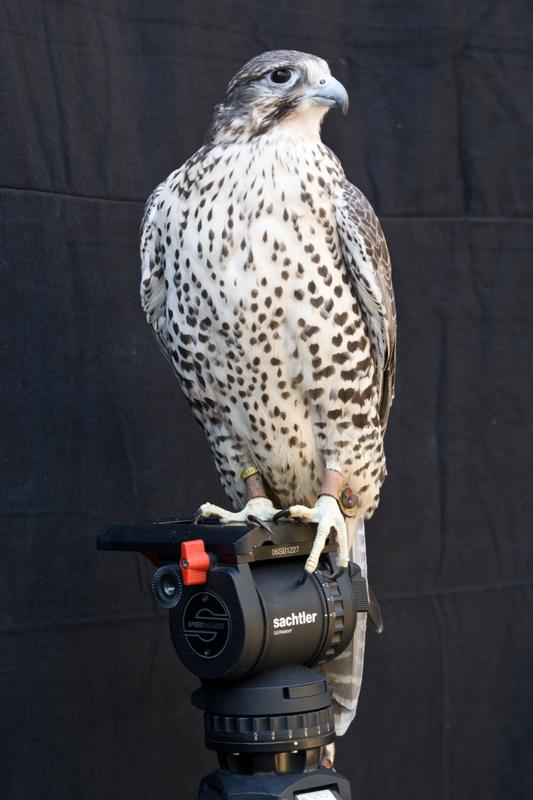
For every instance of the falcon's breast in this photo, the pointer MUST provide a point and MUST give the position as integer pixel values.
(252, 300)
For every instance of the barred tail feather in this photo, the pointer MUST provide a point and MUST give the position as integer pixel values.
(345, 672)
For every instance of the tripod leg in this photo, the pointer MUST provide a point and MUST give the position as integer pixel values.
(328, 756)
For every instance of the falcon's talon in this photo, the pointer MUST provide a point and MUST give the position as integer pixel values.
(256, 521)
(301, 521)
(303, 577)
(207, 511)
(285, 513)
(199, 515)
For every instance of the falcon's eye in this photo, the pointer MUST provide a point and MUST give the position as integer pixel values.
(280, 76)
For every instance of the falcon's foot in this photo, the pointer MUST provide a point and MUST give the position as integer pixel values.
(326, 514)
(257, 509)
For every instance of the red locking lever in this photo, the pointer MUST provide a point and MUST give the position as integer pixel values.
(194, 562)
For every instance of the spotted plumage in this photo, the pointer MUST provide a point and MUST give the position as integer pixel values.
(266, 278)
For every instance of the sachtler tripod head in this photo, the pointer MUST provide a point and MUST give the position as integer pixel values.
(242, 619)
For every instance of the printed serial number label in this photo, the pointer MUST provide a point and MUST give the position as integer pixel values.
(286, 550)
(320, 794)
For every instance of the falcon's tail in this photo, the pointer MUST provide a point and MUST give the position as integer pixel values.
(345, 672)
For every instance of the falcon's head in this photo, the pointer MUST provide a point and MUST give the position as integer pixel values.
(281, 85)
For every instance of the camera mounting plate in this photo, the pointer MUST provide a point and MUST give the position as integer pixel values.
(231, 544)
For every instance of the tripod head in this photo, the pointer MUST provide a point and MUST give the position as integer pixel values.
(242, 619)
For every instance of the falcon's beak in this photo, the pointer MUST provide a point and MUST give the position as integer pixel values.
(329, 92)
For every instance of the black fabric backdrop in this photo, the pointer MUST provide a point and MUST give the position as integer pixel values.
(101, 100)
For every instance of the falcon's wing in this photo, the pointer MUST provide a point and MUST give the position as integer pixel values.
(153, 289)
(366, 258)
(166, 205)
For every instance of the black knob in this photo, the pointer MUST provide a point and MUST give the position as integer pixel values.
(167, 585)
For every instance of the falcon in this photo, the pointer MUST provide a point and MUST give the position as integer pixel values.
(266, 279)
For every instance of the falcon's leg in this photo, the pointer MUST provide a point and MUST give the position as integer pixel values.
(327, 514)
(258, 505)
